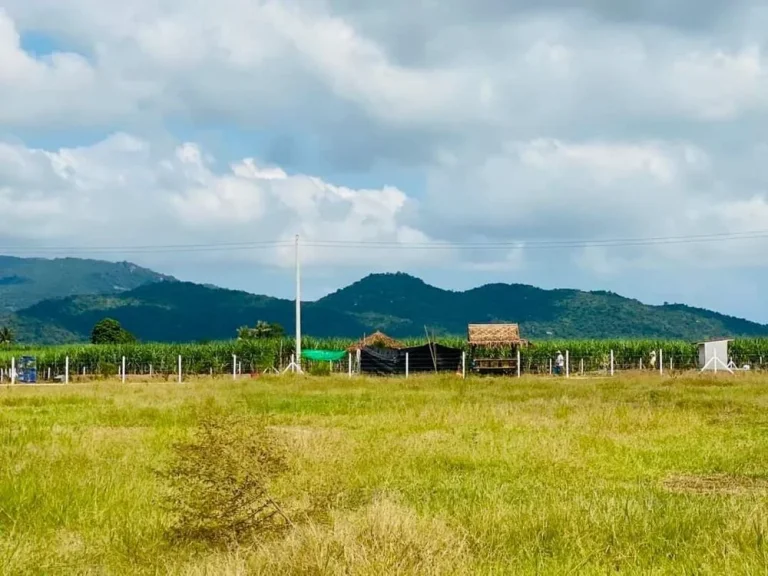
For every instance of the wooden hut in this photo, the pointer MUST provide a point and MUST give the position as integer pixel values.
(503, 338)
(376, 340)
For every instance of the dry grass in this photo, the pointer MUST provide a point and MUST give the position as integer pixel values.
(431, 476)
(716, 484)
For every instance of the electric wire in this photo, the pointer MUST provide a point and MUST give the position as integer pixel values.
(518, 244)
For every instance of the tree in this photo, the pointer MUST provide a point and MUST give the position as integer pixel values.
(276, 330)
(7, 336)
(260, 331)
(109, 331)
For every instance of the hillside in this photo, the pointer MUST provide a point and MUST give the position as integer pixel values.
(398, 304)
(174, 312)
(26, 281)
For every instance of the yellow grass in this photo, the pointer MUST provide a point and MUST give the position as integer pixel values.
(432, 475)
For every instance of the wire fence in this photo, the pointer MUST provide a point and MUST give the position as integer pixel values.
(52, 369)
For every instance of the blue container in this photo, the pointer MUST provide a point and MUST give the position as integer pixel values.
(28, 370)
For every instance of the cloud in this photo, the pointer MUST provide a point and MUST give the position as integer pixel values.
(559, 192)
(123, 188)
(529, 121)
(513, 68)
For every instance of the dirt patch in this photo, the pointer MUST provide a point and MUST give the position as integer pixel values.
(715, 484)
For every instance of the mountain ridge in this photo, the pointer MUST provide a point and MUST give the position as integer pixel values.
(26, 281)
(397, 303)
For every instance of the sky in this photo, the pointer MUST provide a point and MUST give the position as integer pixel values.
(594, 144)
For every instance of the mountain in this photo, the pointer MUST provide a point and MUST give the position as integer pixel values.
(174, 312)
(398, 304)
(26, 281)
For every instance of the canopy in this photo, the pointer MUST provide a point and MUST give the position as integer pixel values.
(324, 355)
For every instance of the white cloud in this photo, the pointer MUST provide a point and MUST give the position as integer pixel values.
(528, 120)
(123, 189)
(565, 192)
(217, 60)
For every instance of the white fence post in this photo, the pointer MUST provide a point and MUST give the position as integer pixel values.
(661, 362)
(66, 370)
(13, 370)
(518, 362)
(179, 367)
(611, 362)
(150, 370)
(234, 366)
(122, 373)
(463, 364)
(581, 366)
(550, 366)
(567, 364)
(406, 364)
(349, 364)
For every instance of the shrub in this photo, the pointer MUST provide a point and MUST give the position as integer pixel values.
(109, 331)
(219, 481)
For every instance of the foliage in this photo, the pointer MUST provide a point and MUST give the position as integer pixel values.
(26, 281)
(261, 331)
(109, 331)
(434, 476)
(262, 354)
(219, 481)
(7, 336)
(398, 304)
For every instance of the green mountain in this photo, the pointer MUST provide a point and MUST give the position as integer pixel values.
(398, 304)
(174, 312)
(26, 281)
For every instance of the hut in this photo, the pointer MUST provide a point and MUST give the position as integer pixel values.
(376, 340)
(505, 338)
(376, 353)
(713, 355)
(380, 354)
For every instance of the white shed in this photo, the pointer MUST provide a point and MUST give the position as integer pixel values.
(713, 355)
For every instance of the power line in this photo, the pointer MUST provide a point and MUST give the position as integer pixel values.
(543, 244)
(213, 247)
(520, 244)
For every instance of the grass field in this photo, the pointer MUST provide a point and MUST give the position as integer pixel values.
(427, 476)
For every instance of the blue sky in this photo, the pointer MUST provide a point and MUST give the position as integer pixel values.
(485, 123)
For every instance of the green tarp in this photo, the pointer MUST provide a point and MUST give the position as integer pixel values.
(326, 355)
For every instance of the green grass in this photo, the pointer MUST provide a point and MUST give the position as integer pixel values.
(258, 355)
(426, 476)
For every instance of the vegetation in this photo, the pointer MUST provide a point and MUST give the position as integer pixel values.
(261, 331)
(7, 336)
(258, 355)
(398, 304)
(109, 331)
(219, 481)
(27, 281)
(639, 475)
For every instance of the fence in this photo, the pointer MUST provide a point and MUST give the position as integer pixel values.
(65, 369)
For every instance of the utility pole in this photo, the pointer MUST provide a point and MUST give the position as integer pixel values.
(298, 308)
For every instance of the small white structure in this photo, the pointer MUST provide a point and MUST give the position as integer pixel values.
(713, 355)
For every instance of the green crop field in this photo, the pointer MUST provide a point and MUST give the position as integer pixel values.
(431, 475)
(260, 355)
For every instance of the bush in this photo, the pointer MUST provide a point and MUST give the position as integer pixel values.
(219, 480)
(109, 331)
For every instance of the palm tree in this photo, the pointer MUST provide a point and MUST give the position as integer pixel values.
(262, 329)
(6, 336)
